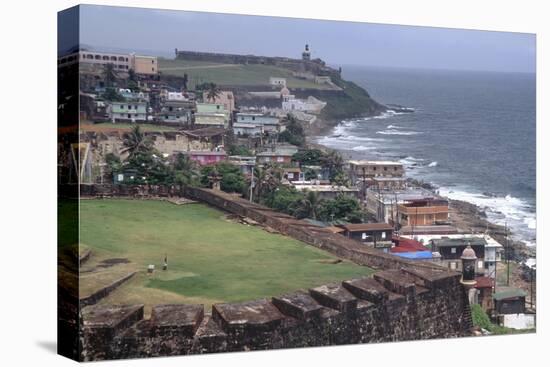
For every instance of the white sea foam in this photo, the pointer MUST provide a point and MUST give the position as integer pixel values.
(411, 161)
(361, 148)
(432, 164)
(514, 212)
(393, 127)
(397, 132)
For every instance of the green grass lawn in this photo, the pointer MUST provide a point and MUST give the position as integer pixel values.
(232, 74)
(211, 259)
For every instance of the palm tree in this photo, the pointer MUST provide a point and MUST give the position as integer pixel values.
(334, 162)
(309, 205)
(186, 171)
(135, 142)
(266, 179)
(213, 92)
(109, 75)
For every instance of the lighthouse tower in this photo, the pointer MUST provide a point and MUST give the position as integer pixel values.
(306, 55)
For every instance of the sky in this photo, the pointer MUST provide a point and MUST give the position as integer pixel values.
(159, 32)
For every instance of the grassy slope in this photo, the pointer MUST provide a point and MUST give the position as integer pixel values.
(353, 103)
(481, 319)
(230, 74)
(210, 259)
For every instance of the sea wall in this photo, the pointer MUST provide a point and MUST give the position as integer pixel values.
(393, 305)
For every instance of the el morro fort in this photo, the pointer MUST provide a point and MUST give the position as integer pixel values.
(402, 300)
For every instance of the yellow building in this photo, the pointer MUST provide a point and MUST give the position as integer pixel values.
(146, 65)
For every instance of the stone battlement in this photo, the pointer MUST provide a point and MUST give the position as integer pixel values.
(393, 305)
(404, 300)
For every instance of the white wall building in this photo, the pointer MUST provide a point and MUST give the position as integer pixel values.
(311, 104)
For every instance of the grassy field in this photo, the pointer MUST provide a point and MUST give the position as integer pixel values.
(211, 259)
(232, 74)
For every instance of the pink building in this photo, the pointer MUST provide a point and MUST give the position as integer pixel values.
(205, 158)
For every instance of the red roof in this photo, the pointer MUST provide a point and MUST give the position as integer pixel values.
(358, 227)
(403, 244)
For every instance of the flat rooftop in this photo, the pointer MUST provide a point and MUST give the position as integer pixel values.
(362, 162)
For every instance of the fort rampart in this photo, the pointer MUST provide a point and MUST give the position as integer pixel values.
(404, 300)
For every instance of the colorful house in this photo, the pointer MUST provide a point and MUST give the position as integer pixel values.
(205, 158)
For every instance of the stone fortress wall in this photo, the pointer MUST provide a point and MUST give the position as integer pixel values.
(404, 300)
(315, 67)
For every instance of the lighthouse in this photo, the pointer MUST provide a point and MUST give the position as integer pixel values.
(306, 55)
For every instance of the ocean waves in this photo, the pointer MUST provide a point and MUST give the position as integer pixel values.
(516, 213)
(397, 132)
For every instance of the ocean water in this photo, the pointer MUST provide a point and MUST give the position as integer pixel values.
(472, 134)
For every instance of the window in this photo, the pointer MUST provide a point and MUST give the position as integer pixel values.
(383, 235)
(253, 118)
(121, 107)
(453, 250)
(129, 107)
(452, 265)
(395, 168)
(113, 58)
(480, 264)
(385, 168)
(129, 116)
(152, 62)
(374, 168)
(153, 70)
(136, 107)
(105, 57)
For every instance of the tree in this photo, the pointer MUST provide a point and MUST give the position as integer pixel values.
(284, 199)
(334, 162)
(112, 95)
(114, 164)
(239, 150)
(132, 80)
(294, 132)
(342, 207)
(266, 180)
(309, 206)
(136, 142)
(185, 170)
(132, 75)
(109, 75)
(232, 179)
(308, 157)
(212, 92)
(310, 174)
(185, 81)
